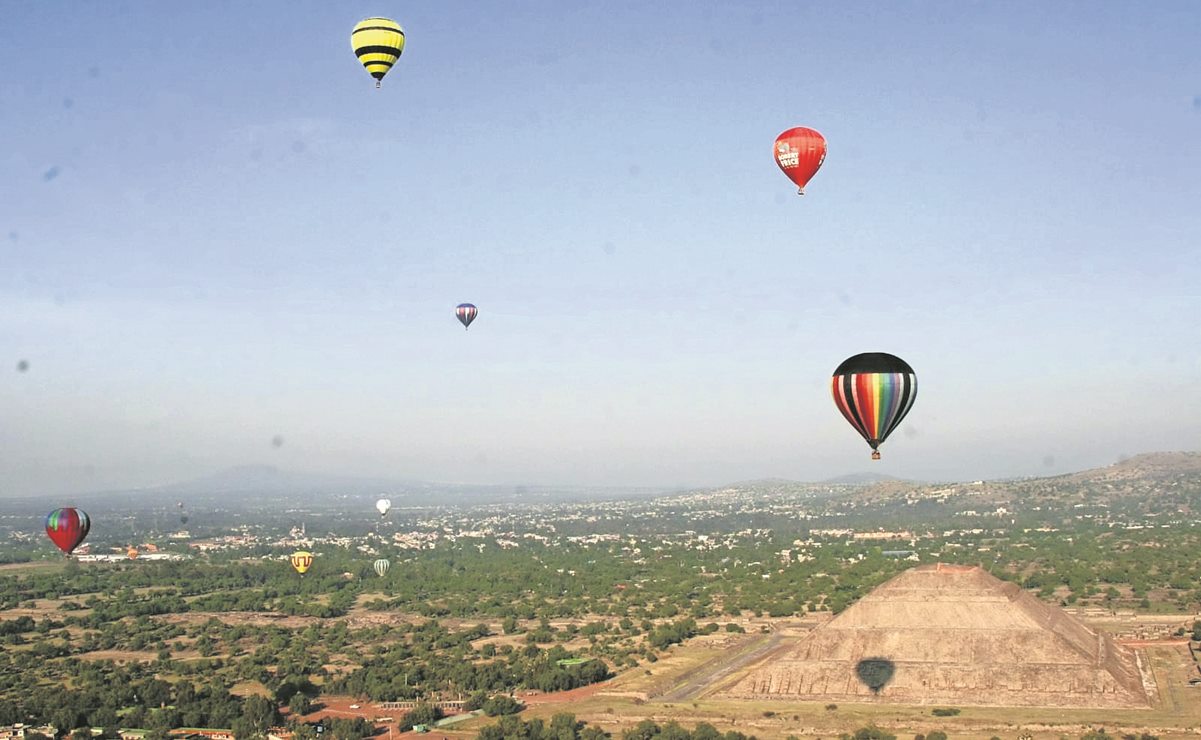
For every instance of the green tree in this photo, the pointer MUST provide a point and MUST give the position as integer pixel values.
(299, 705)
(422, 714)
(500, 705)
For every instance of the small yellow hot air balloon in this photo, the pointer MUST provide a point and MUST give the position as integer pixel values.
(302, 561)
(378, 43)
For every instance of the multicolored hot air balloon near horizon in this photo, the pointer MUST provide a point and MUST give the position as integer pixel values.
(874, 391)
(378, 43)
(799, 153)
(302, 561)
(466, 313)
(67, 528)
(381, 567)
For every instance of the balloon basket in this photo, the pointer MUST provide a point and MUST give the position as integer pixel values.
(875, 455)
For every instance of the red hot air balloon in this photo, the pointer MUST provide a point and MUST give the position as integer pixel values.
(800, 153)
(67, 528)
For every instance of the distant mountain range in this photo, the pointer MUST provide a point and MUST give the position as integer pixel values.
(270, 482)
(267, 480)
(861, 479)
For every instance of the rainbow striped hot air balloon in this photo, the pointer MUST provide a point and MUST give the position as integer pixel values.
(302, 561)
(874, 391)
(67, 528)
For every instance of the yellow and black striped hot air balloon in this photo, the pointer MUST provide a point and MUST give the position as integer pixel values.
(378, 43)
(302, 561)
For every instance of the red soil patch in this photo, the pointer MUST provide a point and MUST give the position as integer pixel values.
(338, 707)
(534, 698)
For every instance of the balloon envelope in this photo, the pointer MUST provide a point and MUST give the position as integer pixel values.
(874, 391)
(378, 43)
(466, 313)
(383, 506)
(302, 561)
(799, 154)
(67, 528)
(381, 567)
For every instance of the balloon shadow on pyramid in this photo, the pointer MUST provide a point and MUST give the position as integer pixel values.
(875, 673)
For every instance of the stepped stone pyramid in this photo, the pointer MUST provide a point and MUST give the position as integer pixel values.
(952, 635)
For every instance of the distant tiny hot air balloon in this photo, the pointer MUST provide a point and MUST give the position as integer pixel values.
(799, 154)
(381, 567)
(378, 43)
(466, 313)
(874, 391)
(302, 561)
(67, 528)
(132, 553)
(383, 506)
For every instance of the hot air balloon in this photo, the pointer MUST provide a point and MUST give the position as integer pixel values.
(381, 567)
(874, 391)
(383, 506)
(183, 518)
(67, 528)
(132, 553)
(466, 313)
(302, 561)
(378, 43)
(800, 153)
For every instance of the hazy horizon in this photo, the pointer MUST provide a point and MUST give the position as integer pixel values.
(209, 244)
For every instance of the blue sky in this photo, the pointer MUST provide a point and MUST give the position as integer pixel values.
(214, 230)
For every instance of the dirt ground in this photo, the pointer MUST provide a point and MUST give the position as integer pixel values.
(39, 565)
(257, 619)
(121, 656)
(621, 704)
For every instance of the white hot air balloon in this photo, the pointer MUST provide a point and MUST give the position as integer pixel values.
(381, 567)
(382, 506)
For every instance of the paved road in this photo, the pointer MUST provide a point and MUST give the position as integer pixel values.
(694, 683)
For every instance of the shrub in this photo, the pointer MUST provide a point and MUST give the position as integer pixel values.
(501, 705)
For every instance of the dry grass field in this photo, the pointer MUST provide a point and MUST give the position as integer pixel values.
(621, 704)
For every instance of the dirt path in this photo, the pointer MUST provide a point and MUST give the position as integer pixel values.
(563, 697)
(693, 683)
